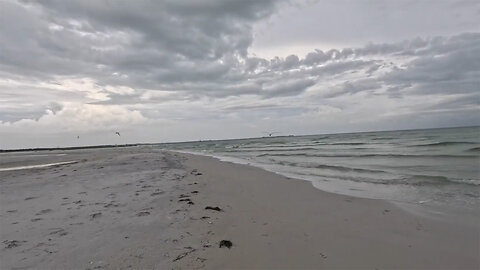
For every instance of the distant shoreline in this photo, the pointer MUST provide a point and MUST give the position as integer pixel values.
(68, 148)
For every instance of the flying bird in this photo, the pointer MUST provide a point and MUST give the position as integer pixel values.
(118, 133)
(271, 133)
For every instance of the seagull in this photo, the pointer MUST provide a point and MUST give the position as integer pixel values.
(118, 133)
(271, 133)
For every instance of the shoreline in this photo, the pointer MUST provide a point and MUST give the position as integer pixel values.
(142, 207)
(406, 239)
(414, 207)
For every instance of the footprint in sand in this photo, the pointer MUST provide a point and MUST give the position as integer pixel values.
(95, 215)
(157, 192)
(195, 172)
(13, 243)
(143, 213)
(111, 204)
(45, 211)
(58, 231)
(77, 223)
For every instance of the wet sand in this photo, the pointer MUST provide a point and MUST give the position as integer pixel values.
(142, 208)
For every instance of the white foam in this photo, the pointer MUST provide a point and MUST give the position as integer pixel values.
(36, 166)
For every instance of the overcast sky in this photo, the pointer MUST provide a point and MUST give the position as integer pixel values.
(176, 70)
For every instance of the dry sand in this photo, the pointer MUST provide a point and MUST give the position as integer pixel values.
(142, 208)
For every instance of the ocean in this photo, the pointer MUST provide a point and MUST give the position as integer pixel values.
(431, 166)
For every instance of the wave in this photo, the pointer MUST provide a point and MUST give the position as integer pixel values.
(367, 155)
(266, 146)
(437, 179)
(345, 143)
(329, 167)
(414, 180)
(384, 139)
(271, 149)
(348, 169)
(409, 180)
(287, 149)
(443, 144)
(474, 149)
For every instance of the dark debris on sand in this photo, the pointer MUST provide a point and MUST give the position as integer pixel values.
(225, 243)
(216, 208)
(184, 254)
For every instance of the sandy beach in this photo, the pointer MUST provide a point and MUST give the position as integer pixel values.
(143, 208)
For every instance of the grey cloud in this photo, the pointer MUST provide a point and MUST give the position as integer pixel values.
(353, 87)
(192, 46)
(450, 66)
(13, 114)
(462, 102)
(437, 67)
(195, 51)
(287, 88)
(346, 23)
(290, 62)
(151, 42)
(314, 58)
(341, 67)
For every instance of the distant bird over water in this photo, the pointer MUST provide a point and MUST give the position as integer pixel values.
(118, 133)
(271, 133)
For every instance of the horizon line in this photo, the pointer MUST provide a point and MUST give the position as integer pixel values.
(209, 140)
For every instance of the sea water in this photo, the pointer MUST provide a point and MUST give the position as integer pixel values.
(433, 166)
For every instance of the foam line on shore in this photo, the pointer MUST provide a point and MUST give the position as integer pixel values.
(36, 166)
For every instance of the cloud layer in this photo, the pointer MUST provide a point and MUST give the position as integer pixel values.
(180, 69)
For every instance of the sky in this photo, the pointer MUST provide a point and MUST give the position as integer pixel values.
(75, 72)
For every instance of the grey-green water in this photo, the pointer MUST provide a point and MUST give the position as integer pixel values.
(434, 166)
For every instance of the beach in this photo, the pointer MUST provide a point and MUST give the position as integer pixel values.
(145, 208)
